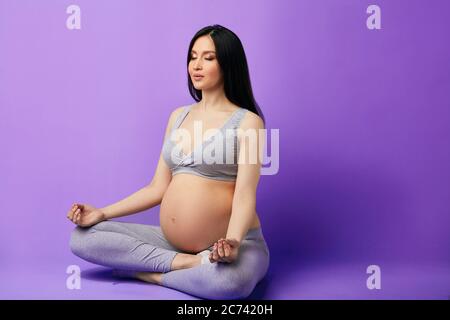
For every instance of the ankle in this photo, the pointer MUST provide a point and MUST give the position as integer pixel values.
(151, 277)
(185, 261)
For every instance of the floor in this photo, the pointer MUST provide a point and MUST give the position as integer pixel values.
(286, 280)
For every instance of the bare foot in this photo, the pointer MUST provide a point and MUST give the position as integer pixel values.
(185, 261)
(181, 261)
(151, 277)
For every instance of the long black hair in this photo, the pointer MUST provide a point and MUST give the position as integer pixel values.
(233, 63)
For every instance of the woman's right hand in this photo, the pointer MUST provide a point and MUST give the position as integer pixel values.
(85, 215)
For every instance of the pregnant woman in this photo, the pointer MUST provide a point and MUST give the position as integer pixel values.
(210, 242)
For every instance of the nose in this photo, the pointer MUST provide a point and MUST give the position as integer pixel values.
(197, 64)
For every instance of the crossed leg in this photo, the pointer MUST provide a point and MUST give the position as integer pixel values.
(126, 246)
(144, 249)
(223, 281)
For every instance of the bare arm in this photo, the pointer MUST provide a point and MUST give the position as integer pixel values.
(150, 195)
(244, 199)
(143, 199)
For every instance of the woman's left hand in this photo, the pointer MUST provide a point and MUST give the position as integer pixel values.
(225, 250)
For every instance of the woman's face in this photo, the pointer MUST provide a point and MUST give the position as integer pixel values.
(203, 62)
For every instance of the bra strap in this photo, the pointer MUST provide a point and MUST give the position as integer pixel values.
(181, 117)
(239, 115)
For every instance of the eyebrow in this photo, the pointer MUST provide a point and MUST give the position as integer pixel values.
(193, 51)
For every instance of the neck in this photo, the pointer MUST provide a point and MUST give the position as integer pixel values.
(214, 99)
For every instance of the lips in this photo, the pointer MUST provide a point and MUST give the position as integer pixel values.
(197, 77)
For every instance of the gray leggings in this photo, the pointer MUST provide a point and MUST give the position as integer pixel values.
(141, 247)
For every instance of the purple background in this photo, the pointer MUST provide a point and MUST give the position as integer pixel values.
(363, 116)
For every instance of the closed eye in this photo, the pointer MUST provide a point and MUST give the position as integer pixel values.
(209, 59)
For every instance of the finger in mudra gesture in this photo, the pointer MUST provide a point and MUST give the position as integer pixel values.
(225, 250)
(85, 215)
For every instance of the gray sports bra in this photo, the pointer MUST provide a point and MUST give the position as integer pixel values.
(216, 158)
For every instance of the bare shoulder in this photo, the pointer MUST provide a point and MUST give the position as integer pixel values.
(175, 112)
(251, 121)
(172, 118)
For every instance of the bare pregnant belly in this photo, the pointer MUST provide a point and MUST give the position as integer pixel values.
(195, 211)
